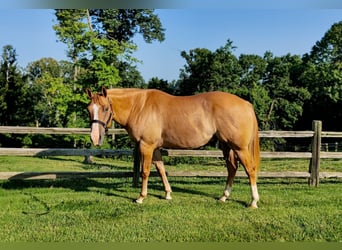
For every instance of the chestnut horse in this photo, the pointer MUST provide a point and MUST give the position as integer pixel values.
(155, 119)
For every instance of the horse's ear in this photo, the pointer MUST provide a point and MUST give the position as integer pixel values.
(89, 93)
(104, 91)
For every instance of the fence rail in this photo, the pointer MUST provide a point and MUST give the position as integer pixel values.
(62, 152)
(54, 131)
(117, 131)
(313, 174)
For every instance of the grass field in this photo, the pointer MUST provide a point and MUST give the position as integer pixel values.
(102, 210)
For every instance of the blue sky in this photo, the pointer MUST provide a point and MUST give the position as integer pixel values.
(252, 30)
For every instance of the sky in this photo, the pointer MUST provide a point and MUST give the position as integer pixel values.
(252, 30)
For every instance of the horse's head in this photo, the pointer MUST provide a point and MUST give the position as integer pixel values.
(101, 114)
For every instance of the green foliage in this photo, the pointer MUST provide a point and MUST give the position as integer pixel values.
(322, 76)
(56, 97)
(122, 24)
(252, 71)
(130, 77)
(269, 83)
(329, 48)
(14, 98)
(73, 31)
(163, 85)
(286, 95)
(100, 42)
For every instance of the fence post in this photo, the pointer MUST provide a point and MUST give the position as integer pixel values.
(136, 166)
(316, 153)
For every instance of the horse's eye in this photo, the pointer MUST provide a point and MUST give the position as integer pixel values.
(106, 109)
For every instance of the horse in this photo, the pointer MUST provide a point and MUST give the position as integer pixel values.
(155, 120)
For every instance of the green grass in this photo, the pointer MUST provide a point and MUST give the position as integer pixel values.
(102, 210)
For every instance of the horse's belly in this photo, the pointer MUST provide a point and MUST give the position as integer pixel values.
(186, 138)
(187, 128)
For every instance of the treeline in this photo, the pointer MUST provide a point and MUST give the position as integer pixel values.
(288, 91)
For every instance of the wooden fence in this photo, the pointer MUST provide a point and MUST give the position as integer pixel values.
(313, 173)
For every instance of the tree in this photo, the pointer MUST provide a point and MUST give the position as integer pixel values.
(207, 71)
(163, 85)
(100, 41)
(42, 66)
(130, 77)
(74, 32)
(13, 96)
(87, 48)
(196, 72)
(251, 87)
(253, 68)
(122, 24)
(322, 76)
(281, 81)
(51, 91)
(329, 48)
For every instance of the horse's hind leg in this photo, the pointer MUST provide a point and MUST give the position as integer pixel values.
(157, 161)
(232, 165)
(249, 165)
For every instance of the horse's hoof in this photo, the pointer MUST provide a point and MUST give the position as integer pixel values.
(252, 206)
(222, 199)
(139, 200)
(168, 196)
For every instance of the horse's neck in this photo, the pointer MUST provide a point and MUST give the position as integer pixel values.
(123, 103)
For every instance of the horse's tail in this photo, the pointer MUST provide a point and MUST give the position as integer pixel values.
(254, 145)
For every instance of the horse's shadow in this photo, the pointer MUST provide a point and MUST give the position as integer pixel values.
(114, 189)
(155, 186)
(77, 185)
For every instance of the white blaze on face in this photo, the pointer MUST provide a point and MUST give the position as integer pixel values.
(95, 133)
(96, 112)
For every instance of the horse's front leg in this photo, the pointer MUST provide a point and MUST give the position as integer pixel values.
(146, 152)
(157, 161)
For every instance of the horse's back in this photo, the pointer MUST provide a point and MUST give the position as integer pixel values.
(218, 108)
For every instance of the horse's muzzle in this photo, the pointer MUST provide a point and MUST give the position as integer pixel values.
(97, 134)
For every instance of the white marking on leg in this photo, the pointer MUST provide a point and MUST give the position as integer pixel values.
(139, 200)
(255, 196)
(168, 195)
(226, 193)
